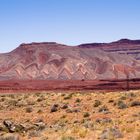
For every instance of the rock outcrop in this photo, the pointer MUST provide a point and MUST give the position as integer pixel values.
(52, 61)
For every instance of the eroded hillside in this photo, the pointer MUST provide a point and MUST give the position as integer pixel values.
(56, 61)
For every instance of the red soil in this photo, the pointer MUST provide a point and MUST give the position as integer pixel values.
(37, 85)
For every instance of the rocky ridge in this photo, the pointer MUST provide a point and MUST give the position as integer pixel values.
(53, 61)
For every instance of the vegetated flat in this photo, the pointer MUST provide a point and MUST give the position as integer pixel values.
(71, 115)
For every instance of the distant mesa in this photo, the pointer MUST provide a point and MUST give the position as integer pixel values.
(52, 61)
(127, 41)
(121, 42)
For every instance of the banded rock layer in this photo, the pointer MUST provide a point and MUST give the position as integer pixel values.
(52, 61)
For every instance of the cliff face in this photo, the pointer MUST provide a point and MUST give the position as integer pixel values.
(87, 61)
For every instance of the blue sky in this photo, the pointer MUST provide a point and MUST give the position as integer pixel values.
(69, 22)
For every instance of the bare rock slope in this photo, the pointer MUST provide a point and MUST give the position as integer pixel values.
(52, 61)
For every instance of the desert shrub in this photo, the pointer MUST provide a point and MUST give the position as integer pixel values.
(9, 137)
(103, 109)
(135, 103)
(111, 134)
(129, 129)
(104, 120)
(67, 138)
(65, 106)
(83, 132)
(3, 96)
(69, 96)
(11, 96)
(21, 103)
(29, 109)
(80, 131)
(63, 116)
(123, 98)
(40, 126)
(31, 102)
(97, 103)
(131, 95)
(12, 102)
(34, 134)
(37, 94)
(2, 99)
(86, 114)
(39, 111)
(77, 100)
(111, 101)
(40, 99)
(1, 107)
(44, 138)
(63, 94)
(121, 105)
(25, 96)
